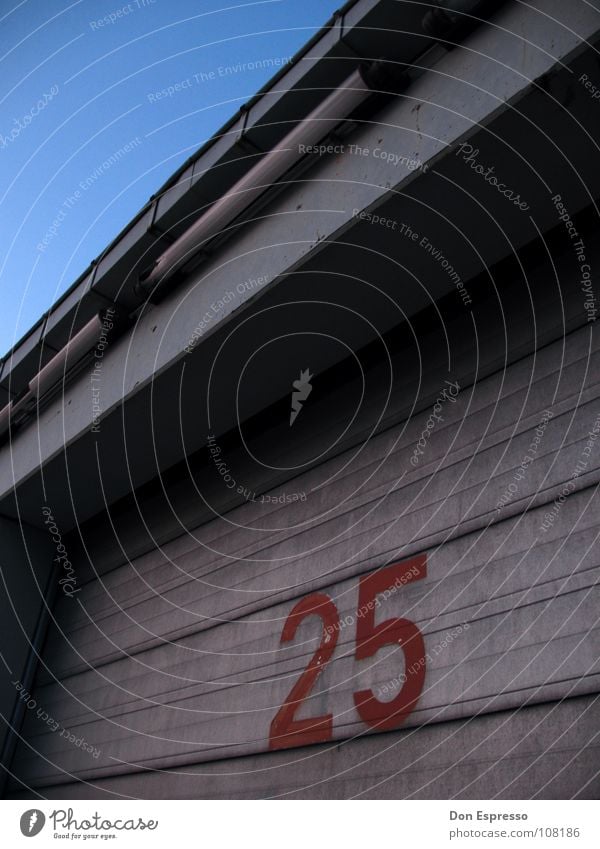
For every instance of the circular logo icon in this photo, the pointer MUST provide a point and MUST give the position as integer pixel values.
(32, 822)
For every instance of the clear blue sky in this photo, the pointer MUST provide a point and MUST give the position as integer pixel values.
(75, 89)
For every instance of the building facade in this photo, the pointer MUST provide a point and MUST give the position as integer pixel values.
(299, 482)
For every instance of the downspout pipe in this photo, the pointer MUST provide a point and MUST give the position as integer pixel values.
(370, 78)
(334, 109)
(27, 678)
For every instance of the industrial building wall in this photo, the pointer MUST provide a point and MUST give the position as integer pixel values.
(168, 674)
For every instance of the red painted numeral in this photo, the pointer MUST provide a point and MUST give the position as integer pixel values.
(370, 638)
(285, 730)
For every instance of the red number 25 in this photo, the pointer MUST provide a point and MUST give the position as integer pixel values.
(287, 731)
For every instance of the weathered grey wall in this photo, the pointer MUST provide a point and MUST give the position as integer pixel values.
(173, 662)
(535, 751)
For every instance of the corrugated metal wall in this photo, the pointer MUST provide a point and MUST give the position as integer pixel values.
(163, 675)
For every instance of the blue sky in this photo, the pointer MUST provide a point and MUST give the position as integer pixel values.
(79, 81)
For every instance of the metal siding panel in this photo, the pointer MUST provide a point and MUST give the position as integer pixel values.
(143, 680)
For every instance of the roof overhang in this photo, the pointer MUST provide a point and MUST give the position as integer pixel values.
(327, 280)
